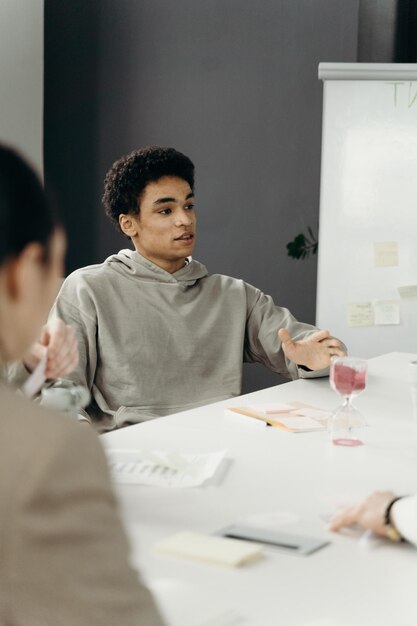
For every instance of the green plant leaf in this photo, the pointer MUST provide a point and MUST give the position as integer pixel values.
(301, 246)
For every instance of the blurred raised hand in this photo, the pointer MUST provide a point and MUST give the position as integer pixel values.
(59, 340)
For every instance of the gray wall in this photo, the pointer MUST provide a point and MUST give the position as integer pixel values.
(21, 76)
(233, 84)
(387, 31)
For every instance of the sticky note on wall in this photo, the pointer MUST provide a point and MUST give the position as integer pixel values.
(408, 291)
(360, 314)
(385, 253)
(386, 312)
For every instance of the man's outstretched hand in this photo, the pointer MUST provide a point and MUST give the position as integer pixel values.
(314, 352)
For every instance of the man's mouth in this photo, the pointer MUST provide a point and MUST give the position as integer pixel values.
(185, 237)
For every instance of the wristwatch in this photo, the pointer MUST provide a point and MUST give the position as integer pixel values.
(390, 531)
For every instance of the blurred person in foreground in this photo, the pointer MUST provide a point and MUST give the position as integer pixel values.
(64, 555)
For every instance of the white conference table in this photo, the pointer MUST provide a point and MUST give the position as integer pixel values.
(300, 479)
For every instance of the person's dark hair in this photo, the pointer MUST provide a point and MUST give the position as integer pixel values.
(25, 214)
(127, 178)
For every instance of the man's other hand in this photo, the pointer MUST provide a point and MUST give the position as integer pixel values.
(314, 352)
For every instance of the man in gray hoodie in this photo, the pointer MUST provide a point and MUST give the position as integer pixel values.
(157, 334)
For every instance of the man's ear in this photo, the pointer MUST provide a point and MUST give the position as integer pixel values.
(20, 270)
(127, 225)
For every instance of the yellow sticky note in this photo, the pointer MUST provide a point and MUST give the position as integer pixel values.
(385, 253)
(220, 550)
(408, 291)
(360, 314)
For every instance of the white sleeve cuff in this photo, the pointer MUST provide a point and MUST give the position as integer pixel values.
(404, 517)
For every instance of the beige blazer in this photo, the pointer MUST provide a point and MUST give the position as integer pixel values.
(63, 552)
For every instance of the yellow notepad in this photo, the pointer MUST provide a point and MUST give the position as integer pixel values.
(295, 417)
(209, 548)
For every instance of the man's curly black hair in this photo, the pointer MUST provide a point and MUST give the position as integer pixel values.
(127, 178)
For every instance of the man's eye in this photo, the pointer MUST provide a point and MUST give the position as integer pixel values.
(165, 212)
(190, 207)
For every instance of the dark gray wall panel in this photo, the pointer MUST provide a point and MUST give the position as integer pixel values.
(233, 84)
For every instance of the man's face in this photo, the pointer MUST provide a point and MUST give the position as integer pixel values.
(164, 229)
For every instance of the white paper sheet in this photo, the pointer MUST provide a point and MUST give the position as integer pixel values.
(163, 469)
(315, 414)
(300, 423)
(386, 312)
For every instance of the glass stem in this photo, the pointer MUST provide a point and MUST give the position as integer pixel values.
(346, 407)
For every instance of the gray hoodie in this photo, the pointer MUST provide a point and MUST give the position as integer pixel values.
(153, 343)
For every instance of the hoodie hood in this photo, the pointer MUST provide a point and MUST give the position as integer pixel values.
(134, 264)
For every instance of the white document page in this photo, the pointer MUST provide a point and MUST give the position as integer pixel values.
(163, 469)
(315, 414)
(387, 312)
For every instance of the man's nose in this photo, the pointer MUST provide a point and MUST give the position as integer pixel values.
(183, 218)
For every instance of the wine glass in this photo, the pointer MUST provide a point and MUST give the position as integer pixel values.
(348, 378)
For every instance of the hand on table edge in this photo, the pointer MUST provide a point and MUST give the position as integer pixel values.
(370, 513)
